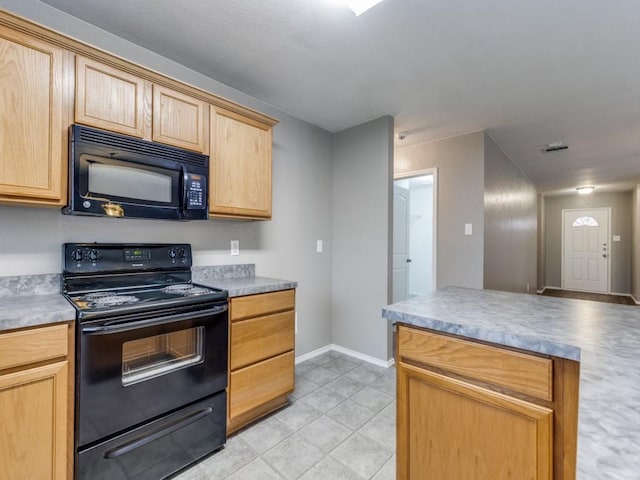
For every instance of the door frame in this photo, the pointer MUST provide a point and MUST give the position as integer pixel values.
(434, 241)
(609, 243)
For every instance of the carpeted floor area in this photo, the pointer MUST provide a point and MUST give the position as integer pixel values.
(595, 297)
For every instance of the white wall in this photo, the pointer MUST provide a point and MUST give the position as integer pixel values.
(421, 243)
(362, 182)
(31, 238)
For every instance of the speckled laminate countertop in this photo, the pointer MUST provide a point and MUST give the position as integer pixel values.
(605, 338)
(35, 300)
(238, 287)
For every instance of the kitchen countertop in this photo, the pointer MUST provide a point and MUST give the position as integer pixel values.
(605, 338)
(34, 310)
(238, 287)
(34, 300)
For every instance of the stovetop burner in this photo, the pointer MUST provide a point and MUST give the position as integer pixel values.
(185, 289)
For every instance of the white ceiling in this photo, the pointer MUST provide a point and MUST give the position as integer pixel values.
(531, 72)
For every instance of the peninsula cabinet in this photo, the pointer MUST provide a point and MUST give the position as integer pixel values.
(472, 410)
(34, 111)
(261, 355)
(240, 171)
(115, 100)
(36, 426)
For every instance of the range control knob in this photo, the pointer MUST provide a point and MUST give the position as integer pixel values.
(76, 255)
(183, 253)
(172, 253)
(94, 255)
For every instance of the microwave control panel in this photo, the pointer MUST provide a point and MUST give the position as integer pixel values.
(196, 196)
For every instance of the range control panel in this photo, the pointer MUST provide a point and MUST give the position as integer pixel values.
(115, 257)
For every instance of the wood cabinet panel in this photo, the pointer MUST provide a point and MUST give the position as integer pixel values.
(520, 372)
(23, 347)
(257, 384)
(262, 304)
(260, 338)
(33, 120)
(180, 120)
(240, 183)
(111, 99)
(33, 431)
(457, 430)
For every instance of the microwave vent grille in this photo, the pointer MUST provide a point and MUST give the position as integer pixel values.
(135, 145)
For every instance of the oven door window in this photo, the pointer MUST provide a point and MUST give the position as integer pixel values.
(130, 182)
(151, 357)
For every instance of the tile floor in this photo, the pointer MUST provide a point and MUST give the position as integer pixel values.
(340, 425)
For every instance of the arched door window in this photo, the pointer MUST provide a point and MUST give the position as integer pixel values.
(585, 222)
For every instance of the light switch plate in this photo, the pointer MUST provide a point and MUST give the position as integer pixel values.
(235, 247)
(468, 229)
(616, 238)
(319, 246)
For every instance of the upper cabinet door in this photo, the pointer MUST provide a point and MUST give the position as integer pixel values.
(180, 120)
(111, 99)
(34, 113)
(240, 172)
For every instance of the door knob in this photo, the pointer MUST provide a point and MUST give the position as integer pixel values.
(408, 260)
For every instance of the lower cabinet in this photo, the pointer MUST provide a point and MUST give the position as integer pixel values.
(36, 421)
(261, 355)
(470, 410)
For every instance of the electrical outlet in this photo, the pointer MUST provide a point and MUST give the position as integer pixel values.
(319, 246)
(235, 247)
(528, 287)
(468, 229)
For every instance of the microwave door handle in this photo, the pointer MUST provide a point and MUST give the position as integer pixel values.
(125, 326)
(185, 188)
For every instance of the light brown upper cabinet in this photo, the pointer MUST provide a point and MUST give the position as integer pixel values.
(240, 170)
(111, 99)
(34, 111)
(180, 120)
(118, 101)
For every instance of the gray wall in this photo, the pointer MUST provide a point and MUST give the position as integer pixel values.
(30, 238)
(542, 267)
(510, 224)
(362, 181)
(621, 208)
(635, 247)
(460, 164)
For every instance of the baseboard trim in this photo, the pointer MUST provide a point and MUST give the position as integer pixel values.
(345, 351)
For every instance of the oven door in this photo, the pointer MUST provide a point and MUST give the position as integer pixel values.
(134, 368)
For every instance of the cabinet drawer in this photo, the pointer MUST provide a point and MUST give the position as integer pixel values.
(260, 338)
(523, 373)
(30, 346)
(262, 304)
(255, 385)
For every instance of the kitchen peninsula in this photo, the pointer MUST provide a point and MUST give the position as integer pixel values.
(485, 362)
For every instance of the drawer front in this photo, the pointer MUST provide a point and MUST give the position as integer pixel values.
(262, 304)
(523, 373)
(30, 346)
(253, 386)
(261, 338)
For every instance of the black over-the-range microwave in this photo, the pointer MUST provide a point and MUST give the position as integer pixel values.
(122, 176)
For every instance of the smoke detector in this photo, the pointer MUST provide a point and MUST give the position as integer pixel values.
(554, 147)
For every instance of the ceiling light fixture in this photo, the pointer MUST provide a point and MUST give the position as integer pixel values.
(585, 190)
(554, 147)
(360, 6)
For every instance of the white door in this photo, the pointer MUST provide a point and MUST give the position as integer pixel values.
(401, 260)
(585, 253)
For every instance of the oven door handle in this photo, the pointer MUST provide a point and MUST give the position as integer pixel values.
(125, 326)
(157, 433)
